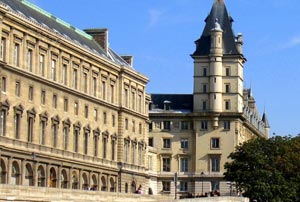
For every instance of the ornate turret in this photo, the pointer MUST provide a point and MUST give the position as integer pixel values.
(267, 125)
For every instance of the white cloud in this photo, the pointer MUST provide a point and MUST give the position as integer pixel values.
(155, 16)
(293, 42)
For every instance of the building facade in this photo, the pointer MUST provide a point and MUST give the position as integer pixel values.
(74, 114)
(194, 134)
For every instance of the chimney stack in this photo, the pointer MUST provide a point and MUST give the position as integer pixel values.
(100, 36)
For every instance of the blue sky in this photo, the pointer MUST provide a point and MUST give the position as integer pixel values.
(160, 34)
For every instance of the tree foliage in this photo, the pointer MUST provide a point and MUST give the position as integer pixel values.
(267, 170)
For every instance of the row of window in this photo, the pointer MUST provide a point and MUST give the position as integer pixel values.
(184, 164)
(166, 125)
(185, 125)
(205, 71)
(71, 76)
(183, 186)
(184, 143)
(66, 105)
(205, 88)
(227, 105)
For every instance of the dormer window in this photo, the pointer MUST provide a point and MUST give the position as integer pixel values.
(167, 105)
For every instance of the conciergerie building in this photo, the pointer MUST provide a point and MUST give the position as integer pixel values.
(74, 113)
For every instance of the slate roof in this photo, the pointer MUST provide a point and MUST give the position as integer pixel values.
(65, 30)
(180, 102)
(265, 120)
(218, 11)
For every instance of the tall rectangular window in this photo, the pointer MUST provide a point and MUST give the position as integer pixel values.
(133, 147)
(140, 128)
(53, 70)
(126, 124)
(113, 120)
(42, 132)
(184, 125)
(150, 142)
(133, 126)
(16, 54)
(3, 49)
(95, 115)
(184, 143)
(140, 155)
(126, 97)
(204, 88)
(227, 71)
(76, 138)
(126, 148)
(43, 97)
(85, 82)
(3, 122)
(133, 100)
(104, 147)
(96, 145)
(30, 129)
(204, 71)
(54, 135)
(215, 164)
(103, 92)
(113, 146)
(226, 125)
(29, 60)
(227, 88)
(94, 85)
(76, 108)
(215, 143)
(18, 88)
(3, 84)
(183, 186)
(85, 142)
(112, 93)
(75, 78)
(65, 137)
(167, 125)
(66, 105)
(166, 164)
(140, 103)
(64, 74)
(30, 93)
(54, 101)
(227, 104)
(184, 165)
(17, 122)
(86, 111)
(42, 65)
(166, 143)
(204, 105)
(204, 125)
(104, 118)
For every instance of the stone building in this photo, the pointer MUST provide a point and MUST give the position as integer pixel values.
(74, 114)
(193, 134)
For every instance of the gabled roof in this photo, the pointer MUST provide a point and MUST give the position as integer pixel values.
(219, 12)
(65, 30)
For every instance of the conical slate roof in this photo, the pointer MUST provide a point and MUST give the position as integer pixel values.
(265, 120)
(219, 12)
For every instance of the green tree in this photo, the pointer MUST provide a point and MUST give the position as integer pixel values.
(267, 170)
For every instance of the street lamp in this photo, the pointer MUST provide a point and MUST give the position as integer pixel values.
(202, 175)
(120, 166)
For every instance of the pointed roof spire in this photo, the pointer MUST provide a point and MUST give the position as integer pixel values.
(265, 120)
(219, 12)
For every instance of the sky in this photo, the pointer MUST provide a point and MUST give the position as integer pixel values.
(160, 34)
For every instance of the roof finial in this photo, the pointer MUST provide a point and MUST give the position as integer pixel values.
(217, 25)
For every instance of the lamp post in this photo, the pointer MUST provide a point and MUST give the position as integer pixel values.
(202, 175)
(120, 166)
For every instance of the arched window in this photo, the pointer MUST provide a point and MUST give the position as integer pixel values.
(112, 185)
(15, 174)
(103, 184)
(41, 176)
(52, 178)
(64, 179)
(2, 172)
(85, 183)
(94, 185)
(28, 175)
(74, 180)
